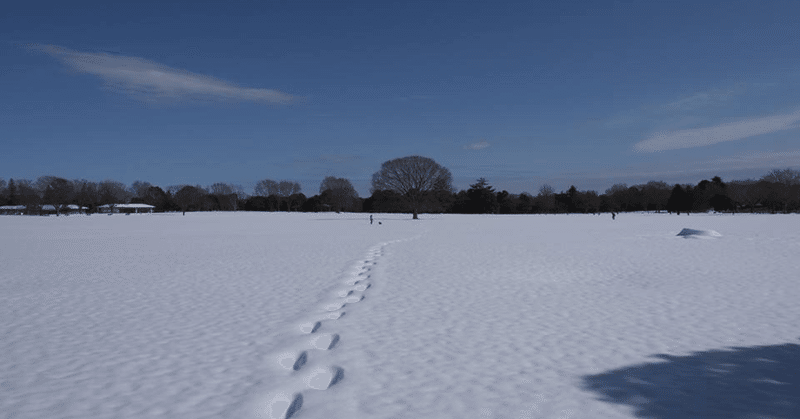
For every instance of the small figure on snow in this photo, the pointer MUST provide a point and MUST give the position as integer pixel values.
(613, 216)
(370, 219)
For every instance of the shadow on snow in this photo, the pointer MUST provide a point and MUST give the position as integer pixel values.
(756, 382)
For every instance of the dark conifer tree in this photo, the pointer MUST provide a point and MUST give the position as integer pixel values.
(482, 198)
(11, 192)
(680, 200)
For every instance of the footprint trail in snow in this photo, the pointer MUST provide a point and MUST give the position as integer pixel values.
(306, 361)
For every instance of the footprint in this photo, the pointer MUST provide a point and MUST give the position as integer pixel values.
(352, 281)
(345, 293)
(284, 406)
(334, 306)
(310, 327)
(325, 341)
(334, 315)
(362, 287)
(324, 378)
(353, 299)
(293, 360)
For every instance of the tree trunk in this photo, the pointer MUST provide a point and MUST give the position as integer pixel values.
(415, 215)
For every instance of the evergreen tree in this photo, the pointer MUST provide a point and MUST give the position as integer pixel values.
(680, 200)
(482, 198)
(11, 192)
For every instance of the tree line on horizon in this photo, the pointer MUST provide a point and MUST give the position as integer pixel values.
(413, 185)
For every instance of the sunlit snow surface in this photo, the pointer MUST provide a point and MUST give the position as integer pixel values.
(260, 315)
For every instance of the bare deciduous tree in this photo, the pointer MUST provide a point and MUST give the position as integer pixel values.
(220, 188)
(743, 192)
(656, 194)
(266, 188)
(87, 194)
(139, 188)
(55, 191)
(26, 193)
(412, 177)
(239, 191)
(340, 192)
(224, 196)
(190, 198)
(786, 182)
(288, 188)
(546, 199)
(786, 176)
(113, 192)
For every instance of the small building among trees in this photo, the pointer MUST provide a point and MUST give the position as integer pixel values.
(12, 209)
(126, 208)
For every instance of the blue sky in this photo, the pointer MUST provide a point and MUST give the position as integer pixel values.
(521, 93)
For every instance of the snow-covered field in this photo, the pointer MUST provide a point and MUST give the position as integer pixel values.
(259, 315)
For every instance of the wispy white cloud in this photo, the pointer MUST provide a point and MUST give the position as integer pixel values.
(703, 99)
(478, 145)
(732, 131)
(153, 81)
(680, 110)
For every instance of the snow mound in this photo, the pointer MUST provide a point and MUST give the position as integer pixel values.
(689, 232)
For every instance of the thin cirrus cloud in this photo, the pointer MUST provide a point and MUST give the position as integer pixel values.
(732, 131)
(477, 146)
(153, 81)
(703, 99)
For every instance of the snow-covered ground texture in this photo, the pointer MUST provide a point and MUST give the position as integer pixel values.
(273, 315)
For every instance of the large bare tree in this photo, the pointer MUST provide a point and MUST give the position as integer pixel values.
(412, 177)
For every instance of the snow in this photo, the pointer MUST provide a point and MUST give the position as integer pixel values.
(690, 232)
(133, 206)
(260, 315)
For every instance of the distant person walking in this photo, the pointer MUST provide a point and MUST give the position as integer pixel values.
(613, 216)
(370, 219)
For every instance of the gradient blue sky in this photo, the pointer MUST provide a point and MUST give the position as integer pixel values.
(521, 93)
